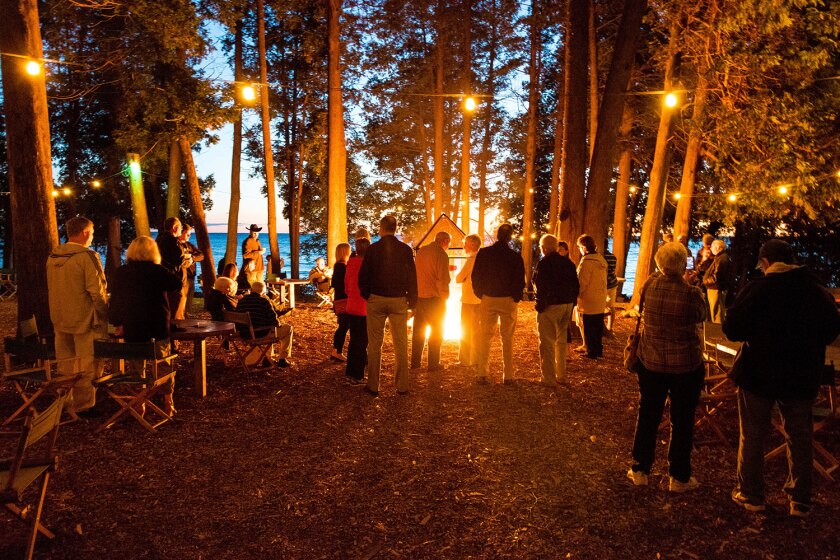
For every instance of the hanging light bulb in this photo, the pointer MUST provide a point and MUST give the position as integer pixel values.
(677, 196)
(33, 68)
(732, 198)
(54, 193)
(633, 189)
(249, 93)
(671, 100)
(67, 191)
(783, 190)
(469, 104)
(96, 183)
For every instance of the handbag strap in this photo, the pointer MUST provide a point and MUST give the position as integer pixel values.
(641, 306)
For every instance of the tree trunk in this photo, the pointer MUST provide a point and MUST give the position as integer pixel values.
(173, 183)
(573, 180)
(530, 148)
(437, 112)
(593, 77)
(29, 158)
(232, 244)
(295, 225)
(337, 156)
(596, 219)
(424, 172)
(692, 154)
(268, 156)
(652, 224)
(138, 197)
(467, 119)
(621, 225)
(487, 139)
(556, 161)
(113, 254)
(202, 238)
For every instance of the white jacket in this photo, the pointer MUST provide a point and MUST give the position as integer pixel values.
(592, 275)
(77, 289)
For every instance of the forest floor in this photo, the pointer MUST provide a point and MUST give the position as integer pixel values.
(300, 464)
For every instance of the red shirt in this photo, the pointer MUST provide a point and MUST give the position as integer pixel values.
(356, 304)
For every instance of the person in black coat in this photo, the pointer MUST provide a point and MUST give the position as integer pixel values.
(785, 320)
(498, 279)
(139, 306)
(174, 259)
(557, 291)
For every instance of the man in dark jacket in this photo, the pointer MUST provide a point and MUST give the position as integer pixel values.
(174, 259)
(785, 319)
(719, 280)
(498, 278)
(557, 291)
(388, 281)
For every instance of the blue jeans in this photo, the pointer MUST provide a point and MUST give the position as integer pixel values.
(754, 413)
(654, 388)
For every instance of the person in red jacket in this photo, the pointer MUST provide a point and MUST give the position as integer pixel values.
(356, 315)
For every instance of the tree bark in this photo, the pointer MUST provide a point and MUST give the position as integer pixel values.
(232, 244)
(424, 172)
(530, 148)
(437, 112)
(173, 183)
(268, 155)
(138, 196)
(593, 78)
(621, 225)
(692, 155)
(573, 180)
(556, 162)
(652, 224)
(337, 155)
(467, 120)
(29, 158)
(202, 238)
(113, 254)
(596, 219)
(487, 139)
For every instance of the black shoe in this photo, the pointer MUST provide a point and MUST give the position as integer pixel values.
(90, 414)
(370, 391)
(283, 363)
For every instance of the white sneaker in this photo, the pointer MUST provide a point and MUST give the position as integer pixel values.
(637, 477)
(680, 487)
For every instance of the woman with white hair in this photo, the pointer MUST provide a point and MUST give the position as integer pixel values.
(670, 365)
(139, 306)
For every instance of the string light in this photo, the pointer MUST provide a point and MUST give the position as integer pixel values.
(633, 189)
(54, 193)
(531, 191)
(469, 104)
(521, 238)
(677, 196)
(67, 191)
(33, 68)
(732, 198)
(249, 93)
(671, 100)
(96, 184)
(399, 208)
(533, 236)
(783, 190)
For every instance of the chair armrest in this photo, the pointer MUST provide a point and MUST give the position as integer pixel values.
(42, 461)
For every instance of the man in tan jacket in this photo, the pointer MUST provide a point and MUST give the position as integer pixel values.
(432, 264)
(78, 307)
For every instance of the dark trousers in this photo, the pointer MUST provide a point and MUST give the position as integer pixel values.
(755, 412)
(593, 333)
(654, 388)
(357, 348)
(431, 312)
(341, 332)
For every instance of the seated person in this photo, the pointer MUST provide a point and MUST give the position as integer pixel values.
(264, 319)
(320, 276)
(221, 297)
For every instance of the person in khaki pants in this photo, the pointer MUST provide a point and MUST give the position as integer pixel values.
(78, 308)
(498, 279)
(388, 281)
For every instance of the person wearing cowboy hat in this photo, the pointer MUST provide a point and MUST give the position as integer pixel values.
(251, 249)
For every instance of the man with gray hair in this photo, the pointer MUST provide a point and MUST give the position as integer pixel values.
(264, 318)
(785, 319)
(388, 281)
(432, 264)
(78, 308)
(719, 280)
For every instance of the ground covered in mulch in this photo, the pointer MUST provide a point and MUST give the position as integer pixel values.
(300, 464)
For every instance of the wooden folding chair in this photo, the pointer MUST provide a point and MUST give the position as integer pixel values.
(30, 367)
(133, 391)
(8, 284)
(247, 342)
(21, 471)
(326, 298)
(825, 410)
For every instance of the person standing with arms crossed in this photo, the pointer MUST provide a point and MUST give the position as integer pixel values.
(388, 281)
(432, 264)
(78, 307)
(498, 279)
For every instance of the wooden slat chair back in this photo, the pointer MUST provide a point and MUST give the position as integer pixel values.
(133, 391)
(8, 284)
(247, 341)
(825, 411)
(20, 472)
(31, 368)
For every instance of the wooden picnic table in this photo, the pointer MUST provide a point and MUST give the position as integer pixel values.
(287, 288)
(199, 330)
